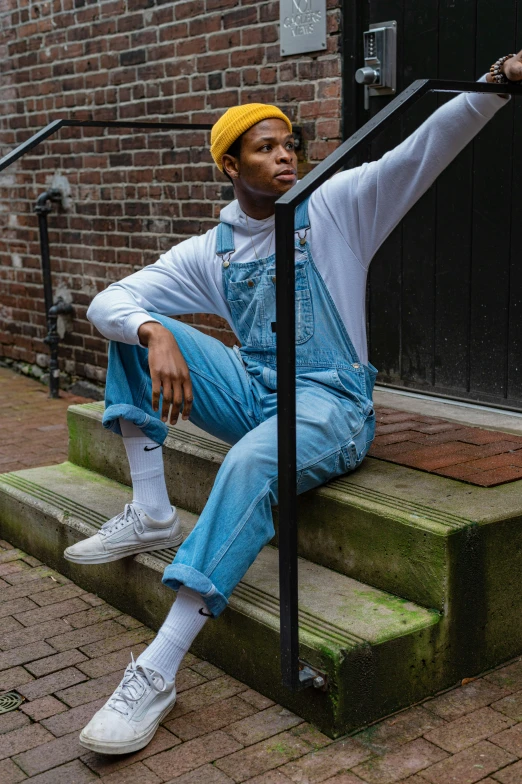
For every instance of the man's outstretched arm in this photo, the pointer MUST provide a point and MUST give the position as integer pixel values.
(368, 202)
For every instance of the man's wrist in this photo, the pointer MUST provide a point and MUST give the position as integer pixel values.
(147, 330)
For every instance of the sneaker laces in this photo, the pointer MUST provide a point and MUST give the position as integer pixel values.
(133, 686)
(129, 514)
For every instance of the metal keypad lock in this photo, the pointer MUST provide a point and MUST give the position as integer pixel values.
(379, 73)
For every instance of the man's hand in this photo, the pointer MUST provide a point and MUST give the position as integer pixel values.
(168, 371)
(512, 69)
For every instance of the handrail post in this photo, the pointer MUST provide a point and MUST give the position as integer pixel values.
(286, 444)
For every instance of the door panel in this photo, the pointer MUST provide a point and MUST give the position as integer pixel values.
(445, 290)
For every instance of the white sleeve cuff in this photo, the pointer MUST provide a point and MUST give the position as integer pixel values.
(131, 326)
(486, 104)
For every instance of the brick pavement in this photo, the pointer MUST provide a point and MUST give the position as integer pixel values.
(64, 651)
(470, 454)
(33, 427)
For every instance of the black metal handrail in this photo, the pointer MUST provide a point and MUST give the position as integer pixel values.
(294, 674)
(55, 126)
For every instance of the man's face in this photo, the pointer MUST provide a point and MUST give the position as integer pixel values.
(267, 165)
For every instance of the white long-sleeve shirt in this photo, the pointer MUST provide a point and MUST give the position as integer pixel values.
(350, 217)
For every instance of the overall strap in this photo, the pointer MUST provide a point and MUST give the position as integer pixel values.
(301, 216)
(225, 239)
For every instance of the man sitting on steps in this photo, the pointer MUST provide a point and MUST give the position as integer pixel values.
(157, 364)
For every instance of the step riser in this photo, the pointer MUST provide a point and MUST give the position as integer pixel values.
(367, 682)
(370, 545)
(189, 476)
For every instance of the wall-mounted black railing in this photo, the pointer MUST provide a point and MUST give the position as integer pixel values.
(295, 673)
(54, 309)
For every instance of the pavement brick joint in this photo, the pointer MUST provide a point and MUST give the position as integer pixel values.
(64, 650)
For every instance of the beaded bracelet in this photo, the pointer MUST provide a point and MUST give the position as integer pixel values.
(496, 70)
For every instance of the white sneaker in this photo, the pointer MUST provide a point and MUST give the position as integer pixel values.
(130, 532)
(129, 719)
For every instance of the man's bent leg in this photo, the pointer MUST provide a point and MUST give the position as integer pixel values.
(222, 396)
(222, 405)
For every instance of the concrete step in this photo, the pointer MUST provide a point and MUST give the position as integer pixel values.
(413, 534)
(379, 652)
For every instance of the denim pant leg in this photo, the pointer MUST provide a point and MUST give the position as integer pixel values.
(221, 389)
(237, 519)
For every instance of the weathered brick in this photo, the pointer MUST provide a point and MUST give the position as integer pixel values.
(54, 663)
(60, 594)
(56, 682)
(72, 773)
(470, 765)
(206, 774)
(52, 754)
(263, 725)
(395, 765)
(80, 637)
(469, 729)
(16, 606)
(22, 739)
(327, 762)
(14, 678)
(95, 615)
(43, 708)
(116, 643)
(40, 631)
(206, 694)
(399, 729)
(52, 611)
(467, 698)
(10, 773)
(12, 721)
(261, 757)
(134, 773)
(193, 753)
(213, 717)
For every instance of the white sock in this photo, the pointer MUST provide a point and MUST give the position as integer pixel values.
(182, 624)
(147, 473)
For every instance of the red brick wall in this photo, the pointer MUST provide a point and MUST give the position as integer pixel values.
(133, 195)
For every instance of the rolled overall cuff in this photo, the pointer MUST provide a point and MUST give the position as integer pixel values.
(176, 575)
(152, 427)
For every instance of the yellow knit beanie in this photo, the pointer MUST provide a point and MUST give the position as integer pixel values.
(235, 122)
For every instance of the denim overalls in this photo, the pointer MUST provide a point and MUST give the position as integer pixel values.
(235, 399)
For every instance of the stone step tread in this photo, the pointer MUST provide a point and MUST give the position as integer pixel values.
(418, 499)
(334, 609)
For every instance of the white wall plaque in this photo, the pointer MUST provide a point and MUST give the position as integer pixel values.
(303, 26)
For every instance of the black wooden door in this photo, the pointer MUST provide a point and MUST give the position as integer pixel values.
(445, 290)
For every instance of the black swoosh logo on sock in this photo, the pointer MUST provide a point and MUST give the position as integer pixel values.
(207, 615)
(151, 448)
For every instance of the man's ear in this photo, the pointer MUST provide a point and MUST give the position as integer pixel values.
(230, 166)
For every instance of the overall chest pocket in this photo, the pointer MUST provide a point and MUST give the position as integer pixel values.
(252, 302)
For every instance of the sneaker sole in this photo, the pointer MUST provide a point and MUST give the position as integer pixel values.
(124, 748)
(115, 556)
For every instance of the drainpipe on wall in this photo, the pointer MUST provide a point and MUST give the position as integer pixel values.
(42, 208)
